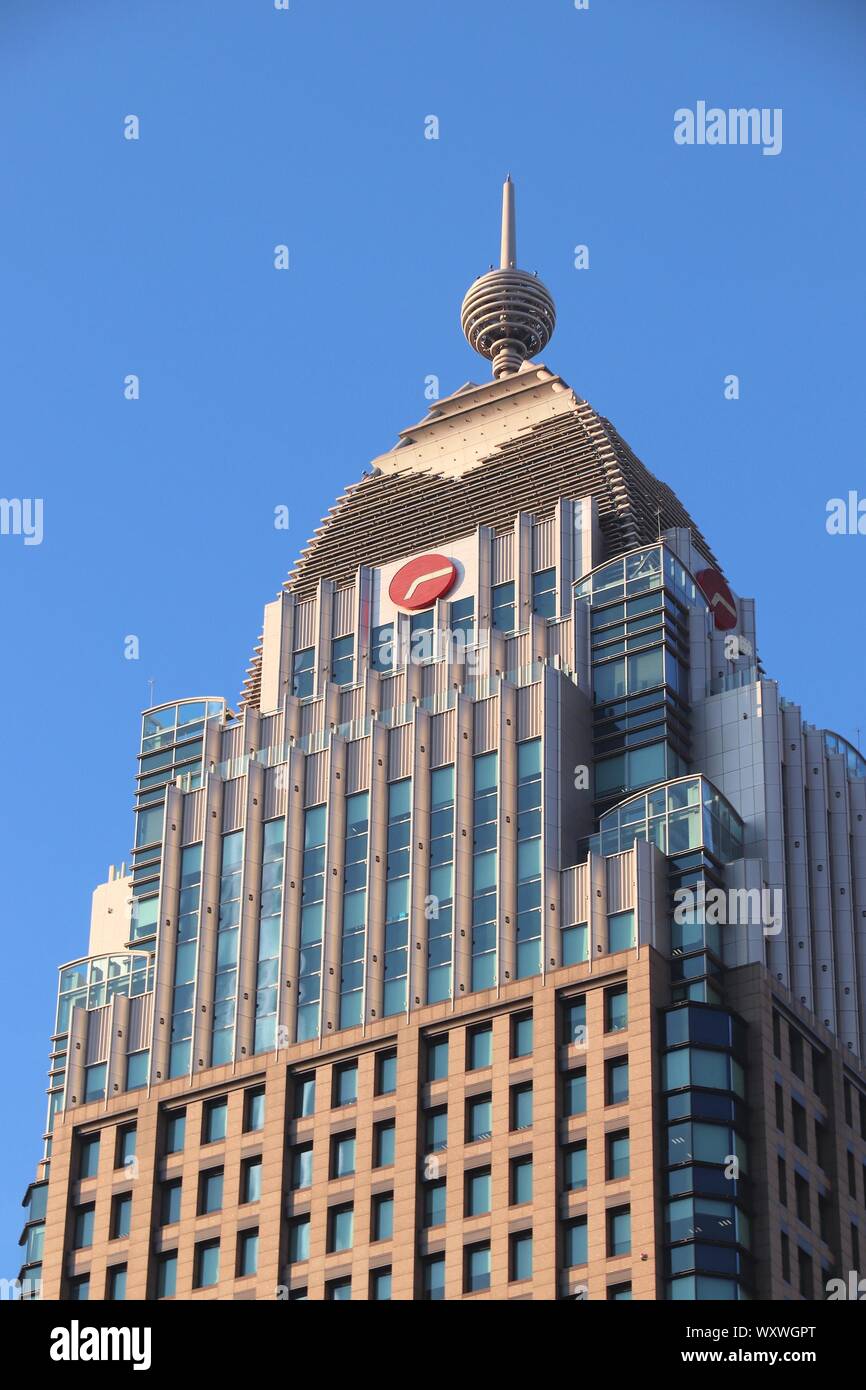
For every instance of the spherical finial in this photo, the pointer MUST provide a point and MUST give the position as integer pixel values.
(507, 314)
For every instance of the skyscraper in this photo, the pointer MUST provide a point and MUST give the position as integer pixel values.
(506, 941)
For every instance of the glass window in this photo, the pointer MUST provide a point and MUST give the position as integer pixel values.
(574, 1167)
(207, 1264)
(215, 1120)
(343, 1155)
(480, 1046)
(619, 1231)
(619, 1293)
(521, 1181)
(575, 1092)
(175, 1131)
(210, 1191)
(88, 1156)
(346, 1084)
(478, 1192)
(433, 1278)
(340, 1228)
(437, 1129)
(79, 1288)
(521, 1036)
(617, 1080)
(380, 1285)
(382, 647)
(303, 673)
(386, 1073)
(342, 660)
(251, 1179)
(521, 1106)
(544, 593)
(170, 1198)
(82, 1235)
(94, 1081)
(302, 1166)
(248, 1253)
(616, 1009)
(121, 1215)
(254, 1109)
(461, 616)
(166, 1274)
(305, 1095)
(137, 1068)
(521, 1255)
(575, 944)
(620, 931)
(574, 1021)
(503, 607)
(437, 1058)
(338, 1291)
(299, 1239)
(435, 1194)
(383, 1144)
(126, 1137)
(383, 1216)
(477, 1268)
(575, 1243)
(618, 1155)
(479, 1118)
(116, 1284)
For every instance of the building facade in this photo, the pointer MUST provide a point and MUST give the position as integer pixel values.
(506, 941)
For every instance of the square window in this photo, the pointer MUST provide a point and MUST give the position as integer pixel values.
(79, 1288)
(215, 1120)
(479, 1118)
(520, 1256)
(386, 1073)
(166, 1274)
(248, 1253)
(206, 1271)
(477, 1268)
(437, 1058)
(478, 1192)
(341, 1222)
(383, 1216)
(521, 1035)
(251, 1179)
(616, 1071)
(619, 1293)
(305, 1095)
(384, 1137)
(338, 1291)
(479, 1047)
(616, 1009)
(169, 1202)
(210, 1191)
(345, 1084)
(175, 1131)
(521, 1181)
(254, 1109)
(121, 1215)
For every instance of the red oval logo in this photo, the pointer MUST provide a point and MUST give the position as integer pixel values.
(422, 581)
(720, 599)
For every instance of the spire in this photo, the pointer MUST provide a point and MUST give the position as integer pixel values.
(508, 315)
(508, 255)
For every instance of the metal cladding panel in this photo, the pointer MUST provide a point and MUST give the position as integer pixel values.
(98, 1034)
(312, 716)
(530, 711)
(232, 742)
(486, 716)
(544, 544)
(276, 791)
(139, 1023)
(393, 690)
(305, 624)
(400, 752)
(575, 895)
(272, 730)
(358, 755)
(316, 789)
(234, 798)
(620, 882)
(434, 678)
(344, 611)
(503, 558)
(518, 650)
(193, 816)
(442, 738)
(352, 704)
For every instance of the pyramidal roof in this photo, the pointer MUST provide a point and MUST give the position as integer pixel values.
(478, 457)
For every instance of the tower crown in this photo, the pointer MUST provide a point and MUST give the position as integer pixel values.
(508, 315)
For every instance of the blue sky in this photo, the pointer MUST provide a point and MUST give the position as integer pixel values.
(259, 388)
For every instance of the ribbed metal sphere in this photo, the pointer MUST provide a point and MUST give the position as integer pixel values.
(508, 315)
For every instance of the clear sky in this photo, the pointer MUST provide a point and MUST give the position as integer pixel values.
(260, 387)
